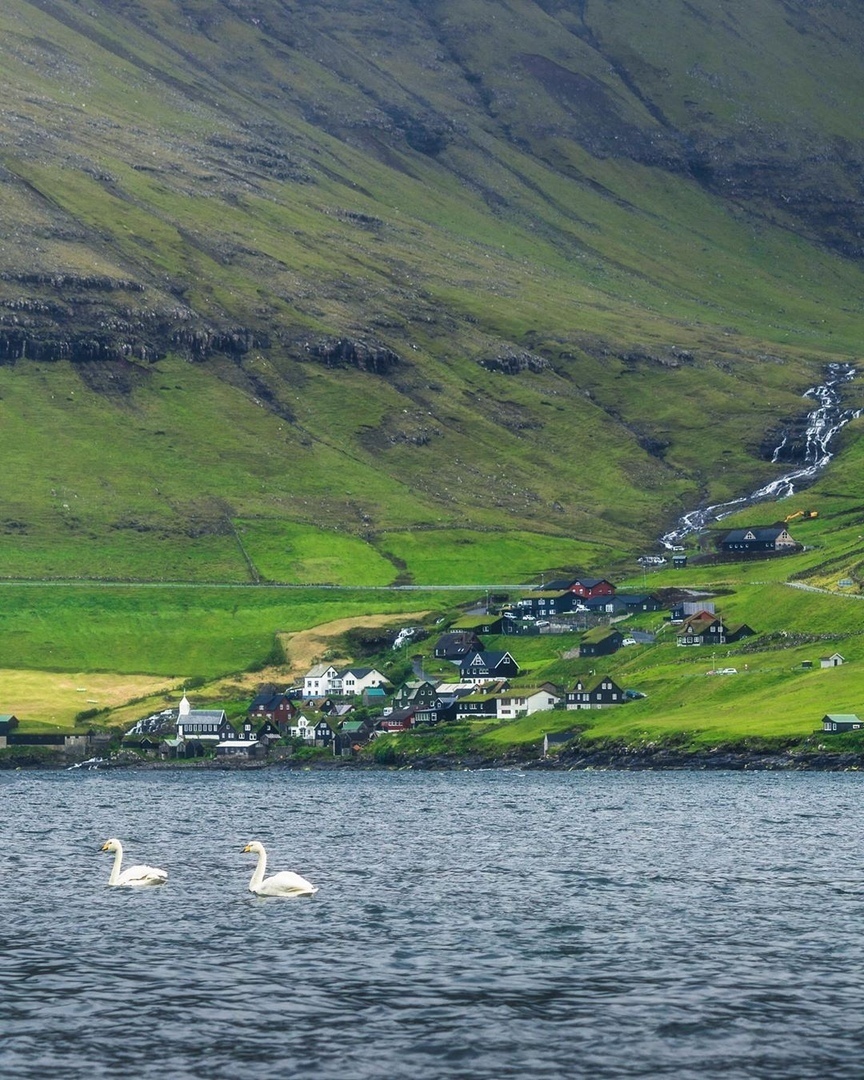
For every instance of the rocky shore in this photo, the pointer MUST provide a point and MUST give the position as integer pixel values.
(618, 758)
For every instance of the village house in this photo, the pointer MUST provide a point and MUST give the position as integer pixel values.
(419, 693)
(601, 641)
(456, 644)
(355, 680)
(478, 624)
(837, 723)
(758, 539)
(683, 609)
(704, 628)
(605, 606)
(249, 748)
(444, 708)
(477, 706)
(634, 602)
(539, 604)
(324, 733)
(302, 727)
(8, 723)
(398, 720)
(269, 706)
(524, 701)
(589, 587)
(480, 667)
(834, 660)
(321, 680)
(594, 693)
(352, 737)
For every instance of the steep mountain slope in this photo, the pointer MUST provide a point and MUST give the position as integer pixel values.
(557, 267)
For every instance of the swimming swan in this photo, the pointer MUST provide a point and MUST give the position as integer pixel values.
(135, 875)
(285, 884)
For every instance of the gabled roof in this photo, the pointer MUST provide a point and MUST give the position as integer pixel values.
(203, 716)
(353, 727)
(469, 623)
(754, 532)
(526, 692)
(699, 623)
(489, 659)
(592, 683)
(600, 633)
(318, 670)
(359, 672)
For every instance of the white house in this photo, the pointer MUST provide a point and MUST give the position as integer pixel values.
(834, 660)
(356, 680)
(321, 680)
(302, 727)
(524, 701)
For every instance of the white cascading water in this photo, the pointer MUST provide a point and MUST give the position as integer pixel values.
(823, 424)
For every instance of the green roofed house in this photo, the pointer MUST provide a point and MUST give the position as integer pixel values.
(523, 701)
(479, 624)
(836, 723)
(601, 641)
(477, 706)
(8, 723)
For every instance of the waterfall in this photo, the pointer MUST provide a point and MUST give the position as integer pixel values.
(823, 424)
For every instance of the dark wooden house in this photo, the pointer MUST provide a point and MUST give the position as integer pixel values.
(837, 723)
(456, 644)
(758, 539)
(480, 667)
(601, 641)
(594, 693)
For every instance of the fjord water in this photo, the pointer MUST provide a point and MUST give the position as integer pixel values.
(470, 925)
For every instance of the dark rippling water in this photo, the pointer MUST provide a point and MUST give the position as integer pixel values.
(476, 925)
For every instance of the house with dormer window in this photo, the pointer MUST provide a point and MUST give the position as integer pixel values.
(321, 680)
(482, 667)
(524, 701)
(594, 693)
(355, 680)
(758, 539)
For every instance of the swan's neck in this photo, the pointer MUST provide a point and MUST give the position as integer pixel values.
(115, 869)
(258, 873)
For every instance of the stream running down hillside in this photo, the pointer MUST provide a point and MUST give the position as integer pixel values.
(823, 424)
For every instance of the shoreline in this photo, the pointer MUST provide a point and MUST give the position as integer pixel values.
(606, 759)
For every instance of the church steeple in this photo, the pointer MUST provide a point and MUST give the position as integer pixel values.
(185, 707)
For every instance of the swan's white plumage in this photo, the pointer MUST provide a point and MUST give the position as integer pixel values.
(286, 883)
(134, 875)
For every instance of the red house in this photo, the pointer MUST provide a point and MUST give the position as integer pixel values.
(590, 587)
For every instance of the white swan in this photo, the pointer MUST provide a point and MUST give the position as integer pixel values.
(285, 884)
(135, 875)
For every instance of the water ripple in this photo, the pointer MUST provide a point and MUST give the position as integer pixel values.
(467, 926)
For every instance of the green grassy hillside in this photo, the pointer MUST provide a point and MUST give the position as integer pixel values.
(577, 256)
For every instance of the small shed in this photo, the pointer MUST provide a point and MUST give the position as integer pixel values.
(554, 740)
(835, 723)
(834, 660)
(679, 562)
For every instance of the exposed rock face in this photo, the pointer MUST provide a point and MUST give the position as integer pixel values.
(513, 361)
(354, 352)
